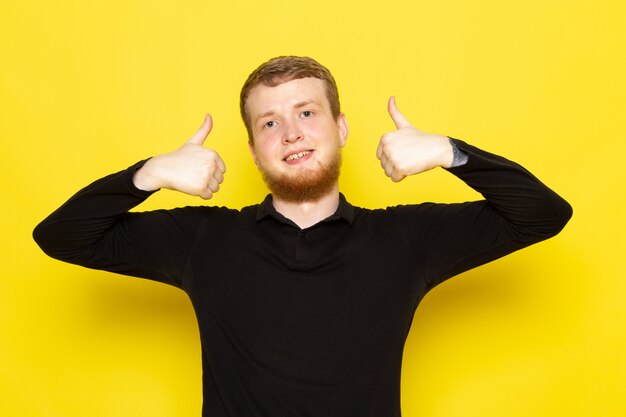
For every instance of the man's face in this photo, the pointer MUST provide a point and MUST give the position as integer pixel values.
(297, 141)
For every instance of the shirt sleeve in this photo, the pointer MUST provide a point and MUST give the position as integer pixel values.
(518, 210)
(95, 229)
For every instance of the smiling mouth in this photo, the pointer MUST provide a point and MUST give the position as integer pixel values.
(295, 156)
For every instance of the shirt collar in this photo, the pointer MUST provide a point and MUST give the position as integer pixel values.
(344, 211)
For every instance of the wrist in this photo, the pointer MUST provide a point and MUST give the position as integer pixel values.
(447, 152)
(144, 178)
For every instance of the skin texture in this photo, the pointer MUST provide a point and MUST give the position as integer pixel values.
(191, 169)
(294, 118)
(408, 151)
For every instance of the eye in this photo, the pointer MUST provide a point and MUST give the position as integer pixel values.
(307, 113)
(270, 124)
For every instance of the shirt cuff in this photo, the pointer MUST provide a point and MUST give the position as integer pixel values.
(459, 157)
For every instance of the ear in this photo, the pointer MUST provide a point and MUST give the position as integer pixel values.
(252, 151)
(342, 125)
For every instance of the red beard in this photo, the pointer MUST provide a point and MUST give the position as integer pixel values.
(308, 185)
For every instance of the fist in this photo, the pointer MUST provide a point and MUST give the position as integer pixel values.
(191, 169)
(407, 150)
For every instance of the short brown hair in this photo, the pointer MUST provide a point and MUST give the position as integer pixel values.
(286, 68)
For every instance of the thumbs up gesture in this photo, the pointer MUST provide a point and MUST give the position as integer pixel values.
(191, 169)
(407, 150)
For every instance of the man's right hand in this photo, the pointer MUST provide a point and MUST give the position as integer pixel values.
(191, 169)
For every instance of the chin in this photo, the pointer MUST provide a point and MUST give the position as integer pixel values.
(307, 185)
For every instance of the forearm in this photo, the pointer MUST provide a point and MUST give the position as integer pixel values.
(95, 229)
(80, 222)
(518, 210)
(530, 207)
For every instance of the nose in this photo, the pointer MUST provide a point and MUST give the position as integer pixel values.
(292, 133)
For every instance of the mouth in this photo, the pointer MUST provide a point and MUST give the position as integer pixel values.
(297, 155)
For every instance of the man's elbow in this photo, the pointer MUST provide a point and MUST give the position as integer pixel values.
(563, 213)
(49, 239)
(43, 237)
(556, 215)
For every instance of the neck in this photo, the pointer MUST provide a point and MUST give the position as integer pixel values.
(308, 213)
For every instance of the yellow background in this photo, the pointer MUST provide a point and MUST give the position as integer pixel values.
(90, 87)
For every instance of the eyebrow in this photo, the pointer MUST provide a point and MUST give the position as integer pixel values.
(297, 106)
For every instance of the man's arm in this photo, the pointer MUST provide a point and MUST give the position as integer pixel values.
(94, 228)
(447, 239)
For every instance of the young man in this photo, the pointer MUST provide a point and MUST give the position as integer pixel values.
(303, 301)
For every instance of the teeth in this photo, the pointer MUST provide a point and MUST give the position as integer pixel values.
(297, 155)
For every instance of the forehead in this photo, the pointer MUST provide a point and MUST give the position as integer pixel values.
(263, 98)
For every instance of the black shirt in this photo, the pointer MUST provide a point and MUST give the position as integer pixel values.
(305, 322)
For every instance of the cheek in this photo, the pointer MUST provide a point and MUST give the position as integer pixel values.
(268, 137)
(265, 148)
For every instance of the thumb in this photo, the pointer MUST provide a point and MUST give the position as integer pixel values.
(199, 137)
(397, 117)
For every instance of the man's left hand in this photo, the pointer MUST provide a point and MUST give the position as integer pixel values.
(408, 150)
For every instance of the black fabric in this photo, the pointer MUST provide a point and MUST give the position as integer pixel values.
(305, 322)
